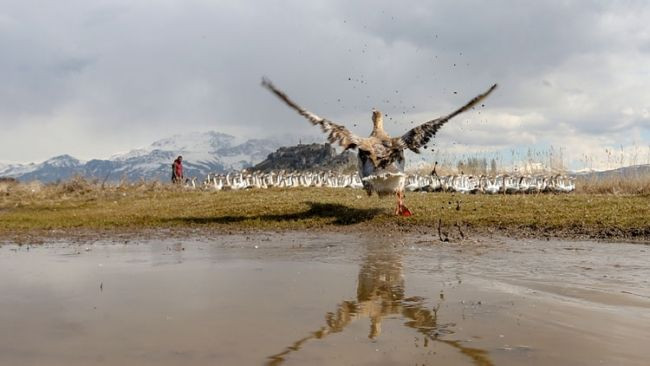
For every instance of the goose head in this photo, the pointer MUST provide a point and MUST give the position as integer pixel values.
(377, 124)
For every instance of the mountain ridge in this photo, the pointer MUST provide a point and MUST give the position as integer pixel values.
(214, 152)
(203, 153)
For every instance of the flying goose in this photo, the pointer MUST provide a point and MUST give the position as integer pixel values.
(381, 157)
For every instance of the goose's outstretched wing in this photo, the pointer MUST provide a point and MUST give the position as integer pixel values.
(336, 133)
(420, 135)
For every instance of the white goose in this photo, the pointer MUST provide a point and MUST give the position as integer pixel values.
(217, 183)
(412, 185)
(492, 186)
(190, 183)
(356, 182)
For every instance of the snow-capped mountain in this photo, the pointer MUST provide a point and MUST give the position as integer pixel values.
(15, 169)
(58, 167)
(203, 153)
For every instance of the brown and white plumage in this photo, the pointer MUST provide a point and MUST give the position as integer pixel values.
(420, 135)
(336, 133)
(381, 158)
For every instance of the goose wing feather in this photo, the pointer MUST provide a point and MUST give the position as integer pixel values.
(417, 137)
(336, 133)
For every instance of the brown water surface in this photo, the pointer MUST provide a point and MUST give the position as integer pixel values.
(325, 299)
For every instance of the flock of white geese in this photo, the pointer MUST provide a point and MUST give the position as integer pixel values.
(460, 183)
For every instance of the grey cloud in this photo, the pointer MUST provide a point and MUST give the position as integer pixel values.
(131, 72)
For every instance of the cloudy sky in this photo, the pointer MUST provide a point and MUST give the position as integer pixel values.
(92, 77)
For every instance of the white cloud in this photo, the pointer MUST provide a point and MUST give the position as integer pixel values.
(93, 77)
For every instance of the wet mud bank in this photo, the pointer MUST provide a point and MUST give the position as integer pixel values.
(325, 299)
(444, 232)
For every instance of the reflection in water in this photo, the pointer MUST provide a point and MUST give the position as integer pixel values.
(380, 293)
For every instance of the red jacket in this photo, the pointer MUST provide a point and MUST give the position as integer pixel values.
(178, 168)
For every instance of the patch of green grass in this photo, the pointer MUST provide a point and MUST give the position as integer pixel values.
(151, 206)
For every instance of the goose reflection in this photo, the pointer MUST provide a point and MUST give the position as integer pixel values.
(380, 294)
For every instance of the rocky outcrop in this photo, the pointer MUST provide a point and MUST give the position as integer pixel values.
(308, 157)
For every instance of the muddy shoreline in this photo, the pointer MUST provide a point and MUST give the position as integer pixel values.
(443, 233)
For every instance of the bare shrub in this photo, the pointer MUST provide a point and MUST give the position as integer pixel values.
(78, 185)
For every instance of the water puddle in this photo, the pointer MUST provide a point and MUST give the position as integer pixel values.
(324, 299)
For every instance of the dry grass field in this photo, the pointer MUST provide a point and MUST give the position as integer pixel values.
(34, 209)
(639, 185)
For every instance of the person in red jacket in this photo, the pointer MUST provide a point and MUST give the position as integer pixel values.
(177, 170)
